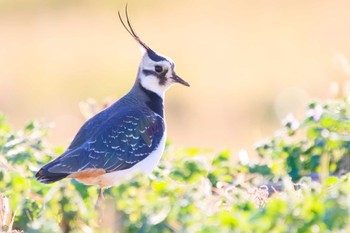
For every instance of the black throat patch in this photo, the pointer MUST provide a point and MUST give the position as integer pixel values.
(155, 102)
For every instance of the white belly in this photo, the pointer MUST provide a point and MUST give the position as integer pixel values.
(146, 166)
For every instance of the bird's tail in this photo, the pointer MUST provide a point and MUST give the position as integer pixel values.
(46, 177)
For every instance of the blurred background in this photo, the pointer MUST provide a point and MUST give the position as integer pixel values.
(249, 63)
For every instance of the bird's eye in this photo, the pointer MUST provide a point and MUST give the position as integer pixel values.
(158, 69)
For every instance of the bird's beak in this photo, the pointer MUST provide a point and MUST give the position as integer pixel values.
(179, 80)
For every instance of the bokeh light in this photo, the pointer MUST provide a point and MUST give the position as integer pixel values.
(249, 63)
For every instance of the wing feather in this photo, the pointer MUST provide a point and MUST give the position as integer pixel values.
(116, 144)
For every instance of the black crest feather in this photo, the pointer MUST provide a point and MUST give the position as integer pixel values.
(128, 27)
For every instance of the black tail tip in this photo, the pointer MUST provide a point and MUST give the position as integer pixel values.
(47, 177)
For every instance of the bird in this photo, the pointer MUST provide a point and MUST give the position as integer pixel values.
(127, 137)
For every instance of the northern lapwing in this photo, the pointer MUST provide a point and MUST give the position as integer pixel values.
(127, 137)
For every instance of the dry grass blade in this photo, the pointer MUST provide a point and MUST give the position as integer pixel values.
(6, 216)
(5, 213)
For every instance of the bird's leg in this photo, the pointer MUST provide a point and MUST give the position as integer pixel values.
(100, 197)
(100, 194)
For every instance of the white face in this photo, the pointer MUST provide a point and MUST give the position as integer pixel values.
(156, 76)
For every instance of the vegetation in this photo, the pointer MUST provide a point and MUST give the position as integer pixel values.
(299, 184)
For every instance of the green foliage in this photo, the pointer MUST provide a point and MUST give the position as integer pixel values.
(318, 145)
(299, 185)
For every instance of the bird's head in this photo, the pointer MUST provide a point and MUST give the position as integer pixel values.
(156, 71)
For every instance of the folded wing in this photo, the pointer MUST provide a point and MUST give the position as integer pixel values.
(118, 143)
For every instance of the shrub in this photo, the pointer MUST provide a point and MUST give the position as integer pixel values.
(299, 185)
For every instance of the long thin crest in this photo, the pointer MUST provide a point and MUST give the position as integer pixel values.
(130, 29)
